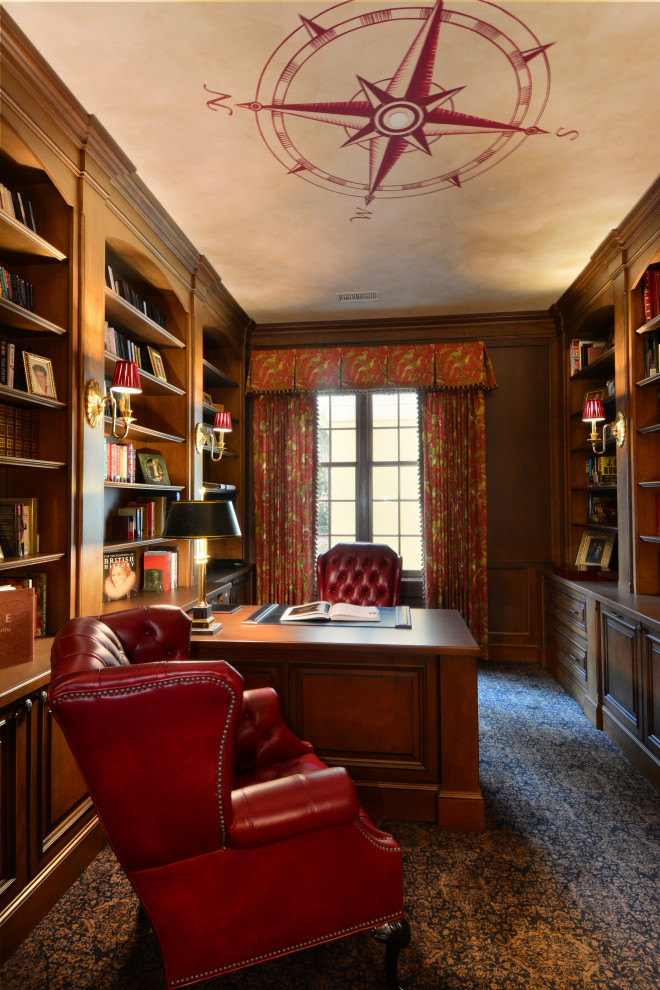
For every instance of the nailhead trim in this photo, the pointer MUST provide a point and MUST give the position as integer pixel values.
(284, 951)
(73, 695)
(374, 842)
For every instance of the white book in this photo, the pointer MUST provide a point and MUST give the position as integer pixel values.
(324, 611)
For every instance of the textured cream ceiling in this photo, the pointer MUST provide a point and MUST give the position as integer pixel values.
(510, 237)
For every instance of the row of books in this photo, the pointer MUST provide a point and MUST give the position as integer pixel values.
(146, 358)
(141, 519)
(17, 206)
(16, 289)
(132, 296)
(120, 572)
(651, 345)
(601, 470)
(12, 365)
(651, 293)
(38, 581)
(119, 461)
(19, 526)
(19, 432)
(585, 352)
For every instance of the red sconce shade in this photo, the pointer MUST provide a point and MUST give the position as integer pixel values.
(126, 378)
(593, 411)
(222, 422)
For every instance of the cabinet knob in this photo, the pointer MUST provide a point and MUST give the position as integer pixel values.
(43, 697)
(27, 705)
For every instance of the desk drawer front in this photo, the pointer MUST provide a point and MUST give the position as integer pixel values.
(567, 608)
(567, 649)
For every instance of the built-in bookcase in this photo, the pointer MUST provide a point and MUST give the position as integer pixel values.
(222, 376)
(645, 316)
(36, 456)
(147, 323)
(592, 478)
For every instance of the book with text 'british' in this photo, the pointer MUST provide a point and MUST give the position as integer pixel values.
(324, 611)
(17, 621)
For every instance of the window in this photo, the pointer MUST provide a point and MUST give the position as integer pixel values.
(368, 473)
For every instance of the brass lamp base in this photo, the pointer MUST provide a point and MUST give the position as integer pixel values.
(203, 621)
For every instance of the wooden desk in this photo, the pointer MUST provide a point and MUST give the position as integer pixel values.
(397, 707)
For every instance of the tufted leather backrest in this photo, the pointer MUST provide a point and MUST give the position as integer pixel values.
(359, 573)
(137, 635)
(133, 707)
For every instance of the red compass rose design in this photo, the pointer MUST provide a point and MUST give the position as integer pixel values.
(410, 111)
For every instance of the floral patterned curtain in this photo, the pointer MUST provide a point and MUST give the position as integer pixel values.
(283, 486)
(451, 379)
(453, 445)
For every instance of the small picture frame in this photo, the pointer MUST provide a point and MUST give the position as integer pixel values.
(39, 375)
(206, 399)
(594, 393)
(154, 469)
(157, 364)
(595, 549)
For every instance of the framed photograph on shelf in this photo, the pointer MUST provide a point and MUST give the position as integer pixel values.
(39, 375)
(154, 469)
(157, 364)
(595, 549)
(594, 393)
(206, 399)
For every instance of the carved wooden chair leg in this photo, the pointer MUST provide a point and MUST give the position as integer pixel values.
(395, 935)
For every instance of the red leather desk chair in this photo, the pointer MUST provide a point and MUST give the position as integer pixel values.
(359, 573)
(240, 843)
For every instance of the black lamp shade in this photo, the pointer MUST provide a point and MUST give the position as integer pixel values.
(200, 520)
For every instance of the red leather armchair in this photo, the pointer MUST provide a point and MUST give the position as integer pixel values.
(240, 843)
(359, 573)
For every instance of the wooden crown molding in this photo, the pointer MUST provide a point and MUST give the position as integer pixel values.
(614, 254)
(501, 326)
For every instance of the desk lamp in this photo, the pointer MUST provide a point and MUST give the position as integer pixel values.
(201, 521)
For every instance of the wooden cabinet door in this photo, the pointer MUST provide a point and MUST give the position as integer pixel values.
(652, 695)
(621, 671)
(13, 800)
(60, 802)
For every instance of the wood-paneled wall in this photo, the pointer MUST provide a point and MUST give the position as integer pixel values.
(523, 461)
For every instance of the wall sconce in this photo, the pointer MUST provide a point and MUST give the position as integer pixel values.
(594, 413)
(213, 438)
(126, 380)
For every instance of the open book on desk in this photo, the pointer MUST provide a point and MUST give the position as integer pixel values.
(324, 611)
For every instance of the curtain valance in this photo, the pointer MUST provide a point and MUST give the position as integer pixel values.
(436, 366)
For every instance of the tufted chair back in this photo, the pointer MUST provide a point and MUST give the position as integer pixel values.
(240, 843)
(359, 573)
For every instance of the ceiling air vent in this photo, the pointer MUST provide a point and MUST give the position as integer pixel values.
(356, 296)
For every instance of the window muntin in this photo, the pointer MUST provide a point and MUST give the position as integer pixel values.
(368, 475)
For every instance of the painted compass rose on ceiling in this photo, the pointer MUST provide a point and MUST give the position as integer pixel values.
(394, 101)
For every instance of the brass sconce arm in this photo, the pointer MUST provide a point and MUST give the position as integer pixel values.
(205, 437)
(95, 403)
(617, 432)
(125, 382)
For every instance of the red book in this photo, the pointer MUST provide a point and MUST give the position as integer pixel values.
(157, 571)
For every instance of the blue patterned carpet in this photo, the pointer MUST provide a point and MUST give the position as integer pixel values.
(561, 891)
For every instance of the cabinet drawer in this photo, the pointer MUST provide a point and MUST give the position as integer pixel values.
(568, 608)
(568, 650)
